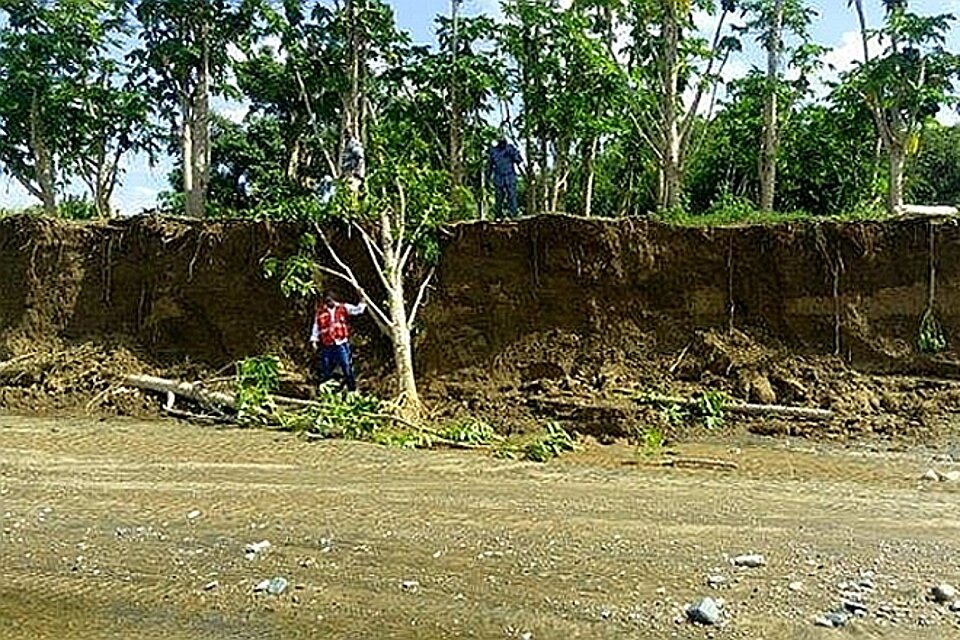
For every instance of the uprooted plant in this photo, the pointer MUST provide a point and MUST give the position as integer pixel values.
(358, 416)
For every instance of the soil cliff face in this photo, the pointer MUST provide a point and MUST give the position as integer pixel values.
(859, 290)
(548, 298)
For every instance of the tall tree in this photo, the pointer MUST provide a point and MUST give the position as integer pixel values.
(666, 57)
(906, 84)
(775, 22)
(51, 56)
(183, 59)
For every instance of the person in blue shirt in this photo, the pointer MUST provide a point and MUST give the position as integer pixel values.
(502, 164)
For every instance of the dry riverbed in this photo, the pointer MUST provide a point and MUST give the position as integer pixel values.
(141, 529)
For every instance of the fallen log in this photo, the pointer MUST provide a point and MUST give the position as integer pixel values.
(783, 411)
(219, 400)
(189, 390)
(699, 463)
(742, 408)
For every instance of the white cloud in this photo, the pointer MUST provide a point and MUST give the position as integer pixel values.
(234, 111)
(845, 55)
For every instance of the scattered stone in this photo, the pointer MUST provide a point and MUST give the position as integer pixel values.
(955, 607)
(213, 584)
(750, 560)
(256, 548)
(706, 611)
(261, 586)
(867, 583)
(193, 515)
(943, 593)
(795, 586)
(410, 586)
(716, 581)
(606, 613)
(855, 607)
(950, 476)
(931, 476)
(832, 620)
(277, 586)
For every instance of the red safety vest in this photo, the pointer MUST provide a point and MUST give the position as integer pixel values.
(333, 324)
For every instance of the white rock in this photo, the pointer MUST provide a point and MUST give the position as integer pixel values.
(795, 586)
(193, 515)
(930, 476)
(752, 561)
(410, 586)
(950, 476)
(255, 548)
(944, 593)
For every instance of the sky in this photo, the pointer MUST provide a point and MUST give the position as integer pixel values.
(835, 27)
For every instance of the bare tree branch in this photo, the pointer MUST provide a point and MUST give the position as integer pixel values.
(420, 294)
(379, 317)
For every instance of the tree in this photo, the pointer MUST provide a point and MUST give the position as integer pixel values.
(775, 21)
(404, 202)
(183, 61)
(906, 85)
(664, 60)
(59, 104)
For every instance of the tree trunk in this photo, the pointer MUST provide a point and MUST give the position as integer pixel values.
(670, 68)
(589, 169)
(897, 158)
(201, 134)
(399, 322)
(560, 173)
(186, 154)
(768, 157)
(43, 160)
(456, 114)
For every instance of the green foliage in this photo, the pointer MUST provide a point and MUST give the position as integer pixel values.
(931, 338)
(74, 208)
(298, 272)
(351, 415)
(710, 408)
(652, 439)
(469, 431)
(256, 380)
(550, 443)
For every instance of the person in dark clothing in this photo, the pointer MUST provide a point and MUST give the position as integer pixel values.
(502, 163)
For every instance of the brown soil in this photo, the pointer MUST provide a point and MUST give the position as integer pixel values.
(545, 318)
(97, 540)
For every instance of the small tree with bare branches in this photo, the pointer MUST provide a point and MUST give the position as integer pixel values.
(395, 217)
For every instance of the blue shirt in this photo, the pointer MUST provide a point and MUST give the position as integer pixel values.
(501, 165)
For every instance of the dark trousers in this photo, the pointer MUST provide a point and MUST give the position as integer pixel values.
(334, 357)
(506, 194)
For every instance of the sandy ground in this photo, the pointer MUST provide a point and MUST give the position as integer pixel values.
(96, 538)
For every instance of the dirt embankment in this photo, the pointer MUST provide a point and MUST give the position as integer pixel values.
(816, 314)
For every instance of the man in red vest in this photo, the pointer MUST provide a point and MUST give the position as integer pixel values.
(331, 338)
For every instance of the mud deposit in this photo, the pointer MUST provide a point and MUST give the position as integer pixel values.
(546, 318)
(138, 529)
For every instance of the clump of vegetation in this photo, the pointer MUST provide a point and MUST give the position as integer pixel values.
(297, 272)
(651, 440)
(931, 338)
(546, 445)
(257, 379)
(710, 408)
(357, 416)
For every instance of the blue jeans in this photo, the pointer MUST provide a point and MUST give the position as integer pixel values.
(335, 357)
(506, 195)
